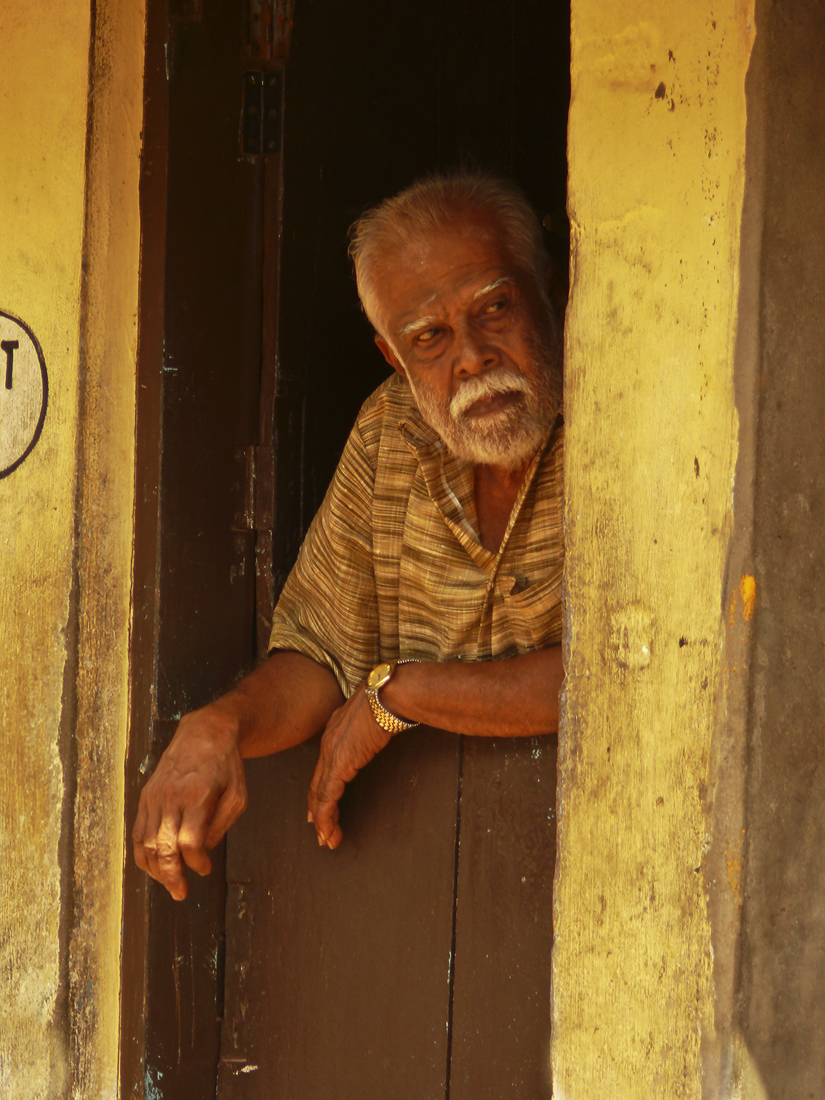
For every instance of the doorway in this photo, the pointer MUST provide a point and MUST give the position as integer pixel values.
(414, 961)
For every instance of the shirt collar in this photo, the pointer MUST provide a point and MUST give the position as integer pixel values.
(450, 480)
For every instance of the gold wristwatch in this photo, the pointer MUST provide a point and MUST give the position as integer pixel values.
(380, 676)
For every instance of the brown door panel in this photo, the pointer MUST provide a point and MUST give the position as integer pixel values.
(504, 904)
(196, 629)
(338, 963)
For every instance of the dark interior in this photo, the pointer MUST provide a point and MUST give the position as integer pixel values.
(379, 94)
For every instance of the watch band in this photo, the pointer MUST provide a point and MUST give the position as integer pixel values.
(385, 718)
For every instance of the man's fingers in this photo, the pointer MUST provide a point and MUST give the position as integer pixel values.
(327, 828)
(155, 841)
(323, 812)
(351, 739)
(325, 790)
(185, 834)
(195, 793)
(205, 826)
(165, 863)
(231, 805)
(145, 836)
(192, 842)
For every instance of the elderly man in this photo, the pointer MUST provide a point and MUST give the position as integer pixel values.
(428, 588)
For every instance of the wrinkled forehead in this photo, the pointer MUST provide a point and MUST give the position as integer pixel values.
(461, 259)
(476, 288)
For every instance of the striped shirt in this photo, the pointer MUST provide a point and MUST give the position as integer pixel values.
(392, 566)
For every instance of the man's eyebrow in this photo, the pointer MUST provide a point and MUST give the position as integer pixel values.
(417, 326)
(427, 322)
(492, 286)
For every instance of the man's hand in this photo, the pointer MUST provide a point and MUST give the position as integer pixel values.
(196, 792)
(199, 789)
(351, 739)
(517, 697)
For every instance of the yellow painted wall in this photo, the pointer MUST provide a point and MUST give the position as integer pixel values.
(42, 179)
(656, 146)
(65, 536)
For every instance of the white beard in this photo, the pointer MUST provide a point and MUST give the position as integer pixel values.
(505, 438)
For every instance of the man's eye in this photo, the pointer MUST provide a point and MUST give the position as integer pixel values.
(495, 307)
(429, 335)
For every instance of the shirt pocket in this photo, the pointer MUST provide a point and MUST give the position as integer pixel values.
(534, 612)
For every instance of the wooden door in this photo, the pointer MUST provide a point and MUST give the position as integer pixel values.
(414, 961)
(199, 383)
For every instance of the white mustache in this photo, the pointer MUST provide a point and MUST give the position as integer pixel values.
(494, 382)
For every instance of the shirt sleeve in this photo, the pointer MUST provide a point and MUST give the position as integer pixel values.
(328, 609)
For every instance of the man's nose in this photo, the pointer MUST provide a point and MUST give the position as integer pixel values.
(474, 354)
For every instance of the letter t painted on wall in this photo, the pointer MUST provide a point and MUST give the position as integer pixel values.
(9, 347)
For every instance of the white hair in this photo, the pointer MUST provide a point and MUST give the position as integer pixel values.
(431, 204)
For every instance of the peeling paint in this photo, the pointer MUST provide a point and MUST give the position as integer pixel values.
(747, 591)
(152, 1084)
(733, 863)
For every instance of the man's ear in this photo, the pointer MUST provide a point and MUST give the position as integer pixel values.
(390, 355)
(556, 284)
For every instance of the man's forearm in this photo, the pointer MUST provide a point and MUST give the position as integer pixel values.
(285, 701)
(515, 697)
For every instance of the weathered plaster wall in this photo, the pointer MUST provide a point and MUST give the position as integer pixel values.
(42, 179)
(656, 142)
(105, 537)
(68, 268)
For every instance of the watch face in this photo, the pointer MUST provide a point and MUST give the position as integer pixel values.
(379, 676)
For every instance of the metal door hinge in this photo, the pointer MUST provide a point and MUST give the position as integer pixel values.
(261, 119)
(255, 480)
(268, 26)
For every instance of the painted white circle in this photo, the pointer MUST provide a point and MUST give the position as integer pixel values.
(24, 392)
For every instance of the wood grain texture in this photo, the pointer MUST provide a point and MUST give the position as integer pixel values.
(501, 998)
(783, 873)
(205, 581)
